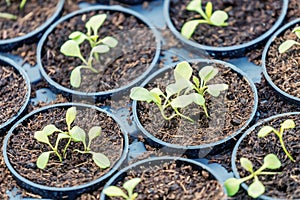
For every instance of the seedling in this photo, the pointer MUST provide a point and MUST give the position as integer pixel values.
(288, 44)
(98, 46)
(114, 191)
(11, 16)
(75, 134)
(256, 188)
(216, 18)
(287, 124)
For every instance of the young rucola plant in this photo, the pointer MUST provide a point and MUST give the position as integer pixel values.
(287, 124)
(75, 134)
(183, 92)
(216, 18)
(114, 191)
(11, 16)
(72, 47)
(286, 45)
(256, 188)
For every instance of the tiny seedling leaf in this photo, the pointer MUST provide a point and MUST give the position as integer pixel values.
(71, 115)
(94, 132)
(189, 28)
(194, 5)
(218, 18)
(114, 191)
(264, 131)
(75, 78)
(216, 89)
(140, 94)
(232, 186)
(101, 160)
(50, 129)
(183, 70)
(196, 81)
(78, 37)
(110, 41)
(78, 134)
(271, 161)
(43, 160)
(198, 99)
(178, 86)
(256, 188)
(288, 124)
(297, 31)
(131, 184)
(209, 9)
(95, 22)
(100, 49)
(207, 73)
(156, 93)
(182, 101)
(41, 137)
(286, 45)
(247, 164)
(71, 48)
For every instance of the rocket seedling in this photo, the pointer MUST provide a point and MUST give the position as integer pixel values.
(11, 16)
(288, 44)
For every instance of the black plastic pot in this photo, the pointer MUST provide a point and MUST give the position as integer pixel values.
(9, 62)
(156, 161)
(199, 150)
(279, 91)
(234, 153)
(9, 44)
(70, 192)
(230, 51)
(103, 94)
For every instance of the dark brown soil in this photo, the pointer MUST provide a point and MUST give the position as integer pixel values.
(174, 181)
(116, 68)
(284, 68)
(285, 185)
(34, 14)
(13, 93)
(247, 20)
(76, 168)
(228, 112)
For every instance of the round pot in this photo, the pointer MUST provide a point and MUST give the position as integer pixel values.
(280, 58)
(255, 149)
(33, 36)
(190, 143)
(57, 188)
(8, 62)
(99, 95)
(150, 162)
(130, 2)
(237, 50)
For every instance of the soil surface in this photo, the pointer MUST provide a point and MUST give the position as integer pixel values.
(116, 68)
(34, 14)
(76, 169)
(287, 184)
(228, 112)
(175, 181)
(283, 69)
(247, 20)
(13, 92)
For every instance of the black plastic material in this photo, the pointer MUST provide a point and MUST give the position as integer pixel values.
(103, 94)
(279, 91)
(9, 62)
(154, 161)
(233, 157)
(33, 36)
(199, 150)
(230, 51)
(70, 192)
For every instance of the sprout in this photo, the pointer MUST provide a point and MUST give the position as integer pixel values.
(256, 188)
(216, 18)
(286, 45)
(11, 16)
(114, 191)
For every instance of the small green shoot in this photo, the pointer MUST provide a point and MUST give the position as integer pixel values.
(11, 16)
(255, 189)
(288, 44)
(287, 124)
(114, 191)
(216, 18)
(98, 46)
(75, 134)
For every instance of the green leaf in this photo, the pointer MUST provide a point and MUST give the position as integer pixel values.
(114, 191)
(110, 41)
(101, 160)
(232, 186)
(71, 115)
(100, 49)
(43, 160)
(182, 101)
(297, 31)
(95, 23)
(247, 164)
(178, 86)
(256, 188)
(131, 184)
(183, 70)
(196, 81)
(189, 28)
(209, 9)
(93, 133)
(288, 124)
(41, 137)
(78, 37)
(140, 94)
(156, 93)
(207, 73)
(271, 161)
(198, 99)
(216, 89)
(75, 78)
(71, 48)
(78, 134)
(265, 130)
(218, 18)
(50, 129)
(286, 45)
